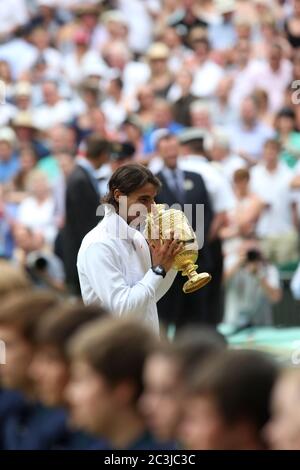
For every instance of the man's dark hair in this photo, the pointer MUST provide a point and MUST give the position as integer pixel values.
(127, 179)
(96, 146)
(59, 324)
(118, 81)
(194, 345)
(23, 310)
(116, 349)
(240, 382)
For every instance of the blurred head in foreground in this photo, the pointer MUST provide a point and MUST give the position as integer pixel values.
(106, 382)
(165, 374)
(227, 402)
(49, 369)
(283, 430)
(19, 315)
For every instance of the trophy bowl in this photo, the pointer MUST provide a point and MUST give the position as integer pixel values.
(159, 224)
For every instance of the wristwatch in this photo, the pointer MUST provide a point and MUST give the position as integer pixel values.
(159, 270)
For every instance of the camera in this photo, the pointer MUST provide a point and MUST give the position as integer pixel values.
(253, 256)
(37, 262)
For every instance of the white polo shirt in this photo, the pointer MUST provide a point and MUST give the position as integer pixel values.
(274, 189)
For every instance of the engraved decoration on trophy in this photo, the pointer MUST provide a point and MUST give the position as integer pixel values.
(159, 224)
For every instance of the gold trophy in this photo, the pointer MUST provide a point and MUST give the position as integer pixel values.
(159, 224)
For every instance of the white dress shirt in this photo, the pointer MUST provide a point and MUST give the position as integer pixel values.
(39, 217)
(274, 189)
(114, 267)
(218, 187)
(295, 284)
(207, 79)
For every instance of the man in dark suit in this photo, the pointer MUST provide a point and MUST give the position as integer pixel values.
(183, 187)
(82, 200)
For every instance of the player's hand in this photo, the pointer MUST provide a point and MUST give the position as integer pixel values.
(164, 253)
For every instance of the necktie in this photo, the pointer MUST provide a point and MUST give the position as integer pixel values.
(179, 191)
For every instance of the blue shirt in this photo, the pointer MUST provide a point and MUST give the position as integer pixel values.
(173, 127)
(33, 426)
(9, 168)
(222, 35)
(251, 140)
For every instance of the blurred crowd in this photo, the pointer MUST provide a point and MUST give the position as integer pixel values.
(74, 377)
(201, 86)
(205, 93)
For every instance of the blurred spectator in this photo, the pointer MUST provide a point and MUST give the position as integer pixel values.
(114, 106)
(292, 25)
(187, 16)
(201, 115)
(66, 163)
(194, 144)
(182, 104)
(18, 186)
(252, 285)
(207, 73)
(116, 27)
(178, 52)
(249, 134)
(109, 408)
(7, 218)
(61, 139)
(121, 154)
(140, 32)
(145, 97)
(223, 112)
(161, 78)
(221, 154)
(50, 368)
(44, 268)
(222, 34)
(22, 96)
(12, 279)
(14, 15)
(17, 320)
(223, 410)
(9, 163)
(81, 58)
(261, 98)
(269, 35)
(282, 430)
(184, 187)
(276, 70)
(242, 219)
(131, 131)
(133, 73)
(166, 373)
(40, 38)
(288, 136)
(163, 119)
(28, 425)
(36, 211)
(271, 181)
(243, 68)
(295, 284)
(54, 110)
(28, 133)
